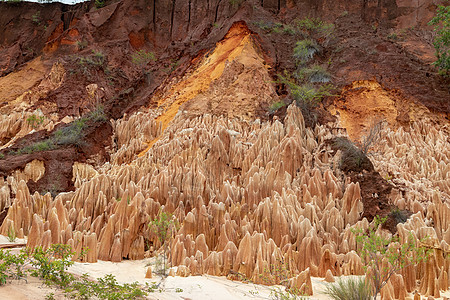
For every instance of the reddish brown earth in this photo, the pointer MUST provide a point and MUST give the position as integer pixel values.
(179, 32)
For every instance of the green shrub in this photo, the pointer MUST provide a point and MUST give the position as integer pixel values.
(35, 121)
(314, 74)
(441, 42)
(72, 134)
(99, 3)
(304, 51)
(142, 57)
(36, 18)
(12, 265)
(44, 145)
(51, 265)
(374, 248)
(82, 44)
(2, 156)
(315, 27)
(276, 106)
(278, 293)
(353, 159)
(349, 289)
(164, 225)
(11, 234)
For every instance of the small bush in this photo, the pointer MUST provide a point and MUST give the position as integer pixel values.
(374, 249)
(164, 225)
(82, 44)
(400, 216)
(2, 156)
(12, 234)
(276, 106)
(37, 147)
(349, 289)
(35, 121)
(279, 293)
(353, 159)
(315, 27)
(441, 42)
(142, 57)
(305, 50)
(314, 74)
(72, 134)
(99, 3)
(51, 265)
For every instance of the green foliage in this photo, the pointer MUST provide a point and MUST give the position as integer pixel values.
(306, 93)
(304, 51)
(235, 2)
(349, 289)
(12, 265)
(277, 273)
(142, 57)
(36, 17)
(99, 3)
(50, 296)
(351, 155)
(400, 216)
(374, 248)
(278, 293)
(51, 265)
(276, 106)
(314, 74)
(36, 147)
(72, 134)
(2, 156)
(315, 27)
(164, 225)
(86, 64)
(441, 42)
(107, 287)
(392, 36)
(11, 234)
(82, 44)
(35, 121)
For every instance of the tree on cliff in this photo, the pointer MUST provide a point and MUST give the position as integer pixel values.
(441, 42)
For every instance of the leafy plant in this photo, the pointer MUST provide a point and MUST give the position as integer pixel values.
(314, 74)
(142, 57)
(12, 265)
(235, 2)
(276, 106)
(11, 234)
(279, 293)
(35, 121)
(441, 42)
(305, 93)
(99, 3)
(349, 289)
(2, 156)
(315, 27)
(164, 225)
(51, 265)
(82, 44)
(36, 17)
(374, 248)
(305, 50)
(37, 147)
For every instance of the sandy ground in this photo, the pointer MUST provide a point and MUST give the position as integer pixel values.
(172, 288)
